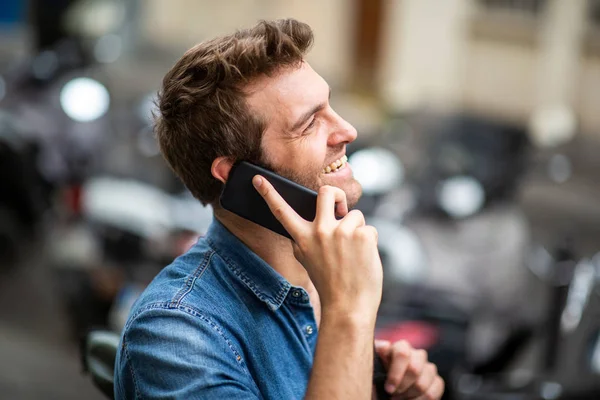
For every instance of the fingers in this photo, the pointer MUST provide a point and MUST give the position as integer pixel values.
(410, 375)
(424, 381)
(353, 220)
(383, 348)
(327, 199)
(381, 344)
(284, 213)
(435, 391)
(418, 361)
(399, 359)
(370, 231)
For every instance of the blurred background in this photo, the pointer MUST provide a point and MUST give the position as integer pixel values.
(478, 152)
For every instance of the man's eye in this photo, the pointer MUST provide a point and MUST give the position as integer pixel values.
(312, 123)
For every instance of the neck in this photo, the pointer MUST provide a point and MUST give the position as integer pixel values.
(274, 249)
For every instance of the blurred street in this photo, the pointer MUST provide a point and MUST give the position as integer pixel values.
(37, 358)
(478, 152)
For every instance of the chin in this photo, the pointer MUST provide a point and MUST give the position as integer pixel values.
(353, 194)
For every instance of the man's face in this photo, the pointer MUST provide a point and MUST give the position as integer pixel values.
(305, 140)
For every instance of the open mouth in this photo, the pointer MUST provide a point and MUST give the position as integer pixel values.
(336, 165)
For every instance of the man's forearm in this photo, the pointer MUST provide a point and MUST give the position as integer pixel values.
(343, 364)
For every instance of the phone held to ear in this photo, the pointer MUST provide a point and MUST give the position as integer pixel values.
(241, 197)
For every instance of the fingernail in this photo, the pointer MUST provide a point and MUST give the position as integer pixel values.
(257, 181)
(389, 388)
(381, 343)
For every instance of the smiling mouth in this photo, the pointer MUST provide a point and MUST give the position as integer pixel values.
(336, 165)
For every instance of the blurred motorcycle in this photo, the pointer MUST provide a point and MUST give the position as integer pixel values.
(128, 231)
(456, 250)
(452, 282)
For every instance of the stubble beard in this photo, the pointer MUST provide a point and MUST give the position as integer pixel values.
(312, 181)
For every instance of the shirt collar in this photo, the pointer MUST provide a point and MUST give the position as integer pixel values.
(266, 283)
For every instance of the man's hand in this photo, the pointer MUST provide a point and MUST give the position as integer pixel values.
(340, 256)
(410, 374)
(343, 263)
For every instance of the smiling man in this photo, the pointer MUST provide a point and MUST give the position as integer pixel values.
(246, 313)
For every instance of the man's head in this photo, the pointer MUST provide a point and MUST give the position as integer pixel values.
(251, 96)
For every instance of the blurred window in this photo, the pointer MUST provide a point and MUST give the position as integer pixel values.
(531, 8)
(514, 21)
(594, 13)
(591, 44)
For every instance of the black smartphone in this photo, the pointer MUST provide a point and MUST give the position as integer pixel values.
(240, 197)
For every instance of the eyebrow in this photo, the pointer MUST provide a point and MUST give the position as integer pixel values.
(304, 117)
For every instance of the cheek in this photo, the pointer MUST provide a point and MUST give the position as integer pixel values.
(314, 153)
(303, 155)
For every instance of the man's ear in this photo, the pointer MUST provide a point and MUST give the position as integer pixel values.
(220, 168)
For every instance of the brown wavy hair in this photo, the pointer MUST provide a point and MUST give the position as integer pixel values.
(202, 112)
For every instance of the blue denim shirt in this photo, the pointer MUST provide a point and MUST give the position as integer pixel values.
(218, 323)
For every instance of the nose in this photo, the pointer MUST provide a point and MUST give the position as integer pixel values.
(342, 132)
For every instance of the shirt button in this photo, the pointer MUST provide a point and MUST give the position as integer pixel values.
(309, 330)
(296, 293)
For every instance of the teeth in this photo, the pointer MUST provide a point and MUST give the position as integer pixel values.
(334, 166)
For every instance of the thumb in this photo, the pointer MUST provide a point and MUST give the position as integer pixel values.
(380, 344)
(383, 349)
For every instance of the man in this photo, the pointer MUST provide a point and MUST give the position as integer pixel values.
(237, 316)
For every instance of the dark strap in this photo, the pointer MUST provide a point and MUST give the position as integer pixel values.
(379, 378)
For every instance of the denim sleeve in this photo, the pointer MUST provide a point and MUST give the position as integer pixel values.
(178, 353)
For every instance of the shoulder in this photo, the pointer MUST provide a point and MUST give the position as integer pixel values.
(191, 275)
(164, 330)
(177, 331)
(199, 291)
(177, 350)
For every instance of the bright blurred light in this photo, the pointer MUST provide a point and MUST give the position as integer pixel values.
(129, 205)
(553, 126)
(578, 297)
(92, 19)
(108, 48)
(84, 99)
(461, 196)
(377, 170)
(405, 257)
(559, 168)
